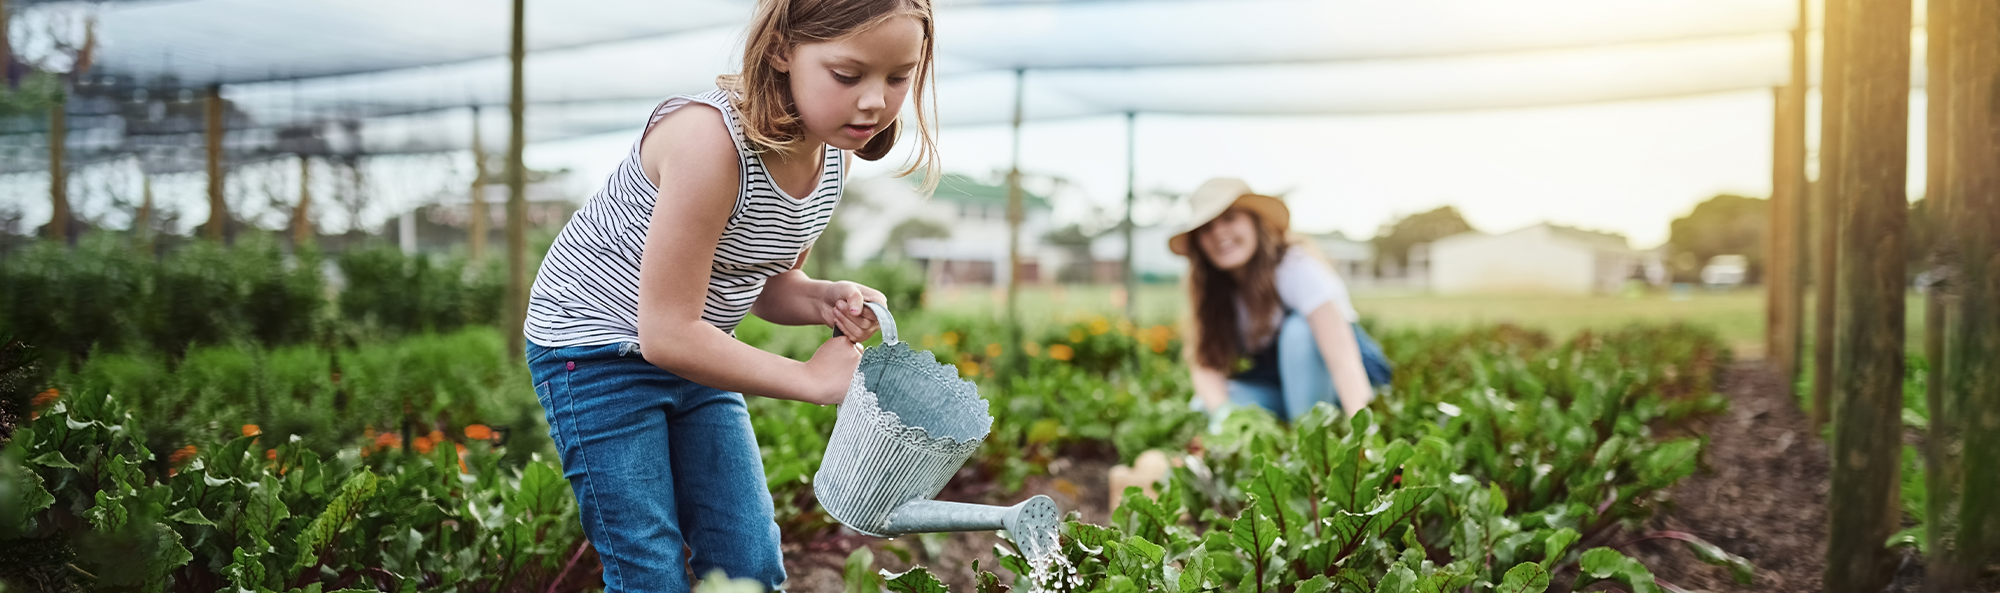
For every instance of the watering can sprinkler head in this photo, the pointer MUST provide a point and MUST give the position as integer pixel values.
(1032, 523)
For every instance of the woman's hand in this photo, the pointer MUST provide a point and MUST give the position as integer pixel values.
(830, 371)
(841, 308)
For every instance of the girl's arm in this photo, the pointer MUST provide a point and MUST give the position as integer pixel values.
(1211, 386)
(1343, 356)
(693, 150)
(792, 298)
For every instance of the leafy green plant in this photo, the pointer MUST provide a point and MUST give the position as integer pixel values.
(256, 517)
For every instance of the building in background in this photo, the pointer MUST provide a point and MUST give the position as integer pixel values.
(1544, 258)
(1353, 260)
(958, 234)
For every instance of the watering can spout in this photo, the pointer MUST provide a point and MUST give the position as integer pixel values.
(1032, 523)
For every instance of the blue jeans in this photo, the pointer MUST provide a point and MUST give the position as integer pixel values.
(657, 462)
(1303, 377)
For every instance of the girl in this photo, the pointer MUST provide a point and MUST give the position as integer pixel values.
(1259, 296)
(631, 317)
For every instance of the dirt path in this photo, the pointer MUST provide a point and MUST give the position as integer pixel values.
(1762, 494)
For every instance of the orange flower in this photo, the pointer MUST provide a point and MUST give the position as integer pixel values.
(46, 397)
(968, 368)
(992, 350)
(424, 445)
(271, 454)
(478, 432)
(461, 459)
(181, 456)
(388, 439)
(1061, 352)
(251, 430)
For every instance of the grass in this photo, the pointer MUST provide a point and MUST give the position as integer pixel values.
(1737, 315)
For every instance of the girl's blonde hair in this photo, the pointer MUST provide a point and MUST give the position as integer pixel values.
(763, 97)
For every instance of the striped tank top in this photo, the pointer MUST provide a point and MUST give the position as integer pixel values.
(587, 290)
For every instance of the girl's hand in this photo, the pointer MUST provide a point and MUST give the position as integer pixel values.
(830, 370)
(843, 309)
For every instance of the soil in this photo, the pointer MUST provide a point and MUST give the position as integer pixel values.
(1761, 494)
(1076, 482)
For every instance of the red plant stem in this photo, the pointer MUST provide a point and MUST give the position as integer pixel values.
(573, 559)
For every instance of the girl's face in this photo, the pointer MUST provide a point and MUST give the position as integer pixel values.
(850, 89)
(1230, 240)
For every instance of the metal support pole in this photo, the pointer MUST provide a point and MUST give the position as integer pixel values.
(1872, 168)
(1131, 197)
(517, 196)
(1014, 207)
(477, 210)
(218, 210)
(59, 216)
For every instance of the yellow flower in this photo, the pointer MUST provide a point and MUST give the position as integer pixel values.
(1076, 336)
(992, 350)
(1099, 326)
(1125, 326)
(968, 368)
(951, 339)
(1061, 352)
(1031, 349)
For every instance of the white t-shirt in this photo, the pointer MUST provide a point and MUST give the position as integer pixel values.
(1304, 283)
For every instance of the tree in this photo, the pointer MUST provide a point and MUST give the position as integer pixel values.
(896, 247)
(1394, 240)
(1724, 225)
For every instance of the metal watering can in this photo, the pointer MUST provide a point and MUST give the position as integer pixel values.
(908, 424)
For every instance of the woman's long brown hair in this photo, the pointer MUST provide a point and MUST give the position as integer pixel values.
(763, 96)
(1219, 343)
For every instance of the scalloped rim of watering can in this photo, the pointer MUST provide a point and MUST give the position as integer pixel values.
(893, 424)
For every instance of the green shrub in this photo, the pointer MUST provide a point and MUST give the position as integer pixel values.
(389, 292)
(104, 296)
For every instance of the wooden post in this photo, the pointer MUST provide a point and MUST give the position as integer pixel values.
(1826, 279)
(1015, 211)
(218, 210)
(6, 48)
(1973, 374)
(1788, 214)
(302, 226)
(1131, 197)
(58, 229)
(1781, 282)
(517, 196)
(1868, 386)
(1941, 445)
(142, 225)
(477, 212)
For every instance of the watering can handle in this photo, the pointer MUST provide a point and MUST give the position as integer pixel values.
(888, 322)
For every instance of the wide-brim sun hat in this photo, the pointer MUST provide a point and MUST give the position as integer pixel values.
(1217, 196)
